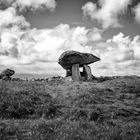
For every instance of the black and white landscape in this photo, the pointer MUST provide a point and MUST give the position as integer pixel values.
(69, 70)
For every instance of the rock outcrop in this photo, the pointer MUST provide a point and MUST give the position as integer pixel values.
(6, 74)
(71, 61)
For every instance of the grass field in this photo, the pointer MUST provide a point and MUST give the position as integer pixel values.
(102, 109)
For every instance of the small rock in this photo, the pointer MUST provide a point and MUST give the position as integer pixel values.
(6, 74)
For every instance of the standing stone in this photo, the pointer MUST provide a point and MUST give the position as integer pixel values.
(76, 72)
(87, 72)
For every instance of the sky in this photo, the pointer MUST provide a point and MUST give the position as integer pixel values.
(34, 33)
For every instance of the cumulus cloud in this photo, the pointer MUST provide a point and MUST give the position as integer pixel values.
(49, 41)
(136, 46)
(107, 14)
(32, 4)
(26, 49)
(119, 55)
(10, 18)
(34, 46)
(12, 26)
(137, 13)
(22, 47)
(34, 50)
(119, 49)
(95, 34)
(39, 50)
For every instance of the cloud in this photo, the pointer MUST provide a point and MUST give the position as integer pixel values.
(119, 55)
(37, 51)
(22, 47)
(10, 18)
(31, 50)
(95, 34)
(32, 4)
(12, 26)
(137, 13)
(119, 49)
(136, 46)
(108, 13)
(34, 47)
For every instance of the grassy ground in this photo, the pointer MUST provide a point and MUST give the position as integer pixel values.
(103, 109)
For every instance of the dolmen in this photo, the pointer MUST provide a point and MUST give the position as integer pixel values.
(6, 74)
(71, 61)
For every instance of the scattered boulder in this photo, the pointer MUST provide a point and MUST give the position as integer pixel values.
(6, 74)
(71, 61)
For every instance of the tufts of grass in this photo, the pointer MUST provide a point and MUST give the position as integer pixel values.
(39, 110)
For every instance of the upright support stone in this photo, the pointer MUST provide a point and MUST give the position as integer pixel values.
(76, 72)
(87, 72)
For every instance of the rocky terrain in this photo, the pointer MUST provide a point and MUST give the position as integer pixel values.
(105, 108)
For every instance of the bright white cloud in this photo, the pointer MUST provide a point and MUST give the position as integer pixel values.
(95, 34)
(32, 4)
(137, 13)
(119, 48)
(22, 47)
(39, 50)
(11, 27)
(34, 47)
(108, 14)
(27, 50)
(119, 56)
(9, 17)
(136, 46)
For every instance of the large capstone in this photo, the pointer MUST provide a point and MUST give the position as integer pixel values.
(68, 58)
(71, 61)
(6, 74)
